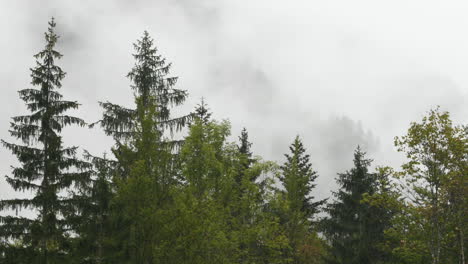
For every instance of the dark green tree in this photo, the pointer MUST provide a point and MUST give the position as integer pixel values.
(243, 162)
(48, 169)
(245, 156)
(349, 227)
(153, 87)
(147, 166)
(298, 179)
(203, 112)
(92, 219)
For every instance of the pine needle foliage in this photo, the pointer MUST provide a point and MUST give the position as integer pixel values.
(151, 85)
(48, 169)
(348, 226)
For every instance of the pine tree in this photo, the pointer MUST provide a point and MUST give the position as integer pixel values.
(152, 86)
(203, 112)
(143, 195)
(349, 226)
(201, 217)
(245, 156)
(298, 179)
(48, 169)
(244, 162)
(202, 158)
(383, 204)
(147, 160)
(155, 96)
(93, 223)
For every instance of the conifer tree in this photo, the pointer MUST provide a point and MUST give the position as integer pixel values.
(349, 226)
(153, 86)
(245, 157)
(298, 179)
(244, 161)
(201, 214)
(155, 95)
(147, 167)
(143, 195)
(202, 158)
(203, 112)
(93, 223)
(47, 169)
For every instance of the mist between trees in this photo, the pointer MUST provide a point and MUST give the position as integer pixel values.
(203, 199)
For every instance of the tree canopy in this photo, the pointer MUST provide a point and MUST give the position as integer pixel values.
(178, 189)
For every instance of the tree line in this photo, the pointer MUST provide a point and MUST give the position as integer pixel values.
(204, 199)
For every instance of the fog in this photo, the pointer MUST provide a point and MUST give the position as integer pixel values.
(337, 73)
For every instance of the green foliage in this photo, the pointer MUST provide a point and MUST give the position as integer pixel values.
(354, 226)
(92, 219)
(435, 178)
(299, 209)
(203, 199)
(47, 167)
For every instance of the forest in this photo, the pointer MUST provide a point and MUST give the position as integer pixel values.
(175, 189)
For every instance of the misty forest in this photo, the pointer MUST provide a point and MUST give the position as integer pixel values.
(183, 188)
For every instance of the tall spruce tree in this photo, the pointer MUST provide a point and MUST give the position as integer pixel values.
(48, 169)
(244, 161)
(298, 179)
(349, 226)
(153, 87)
(155, 95)
(146, 157)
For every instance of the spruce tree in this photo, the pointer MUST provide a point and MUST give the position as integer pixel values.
(93, 223)
(244, 161)
(201, 225)
(256, 230)
(147, 159)
(155, 95)
(153, 87)
(245, 156)
(349, 226)
(48, 169)
(202, 111)
(202, 156)
(298, 179)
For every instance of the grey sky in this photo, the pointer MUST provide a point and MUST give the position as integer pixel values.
(339, 73)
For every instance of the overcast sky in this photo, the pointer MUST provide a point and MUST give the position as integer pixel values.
(339, 73)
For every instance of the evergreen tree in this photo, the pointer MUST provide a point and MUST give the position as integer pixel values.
(203, 160)
(298, 179)
(244, 162)
(48, 169)
(147, 162)
(245, 156)
(93, 225)
(384, 203)
(152, 87)
(202, 216)
(154, 91)
(349, 227)
(247, 202)
(203, 112)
